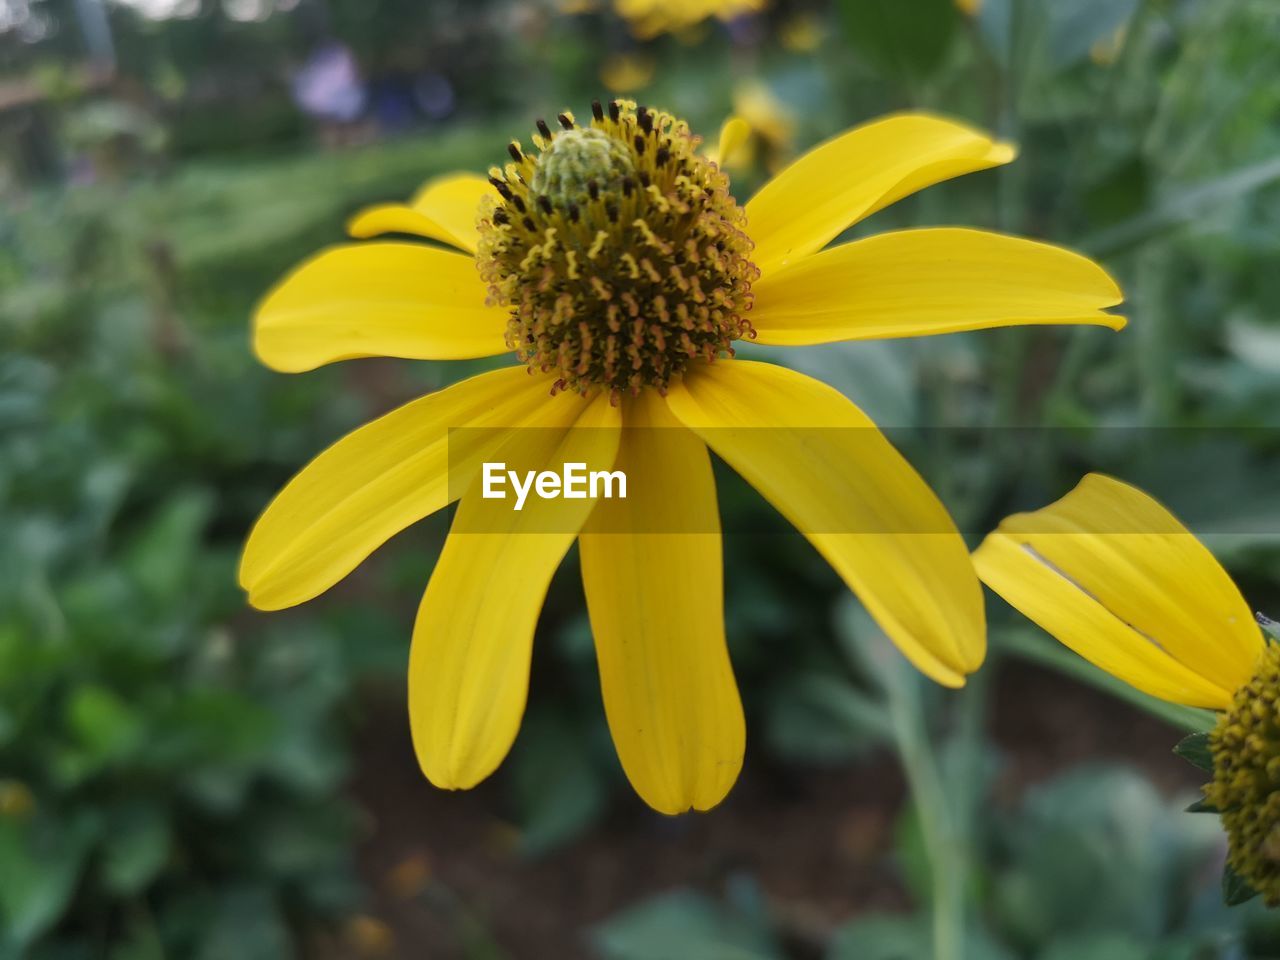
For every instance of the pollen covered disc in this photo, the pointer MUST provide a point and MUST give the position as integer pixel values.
(1246, 777)
(618, 250)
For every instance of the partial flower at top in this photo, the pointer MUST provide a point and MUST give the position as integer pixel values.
(626, 72)
(770, 128)
(1117, 578)
(801, 33)
(649, 18)
(613, 263)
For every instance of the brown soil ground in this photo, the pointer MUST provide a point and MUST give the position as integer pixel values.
(449, 884)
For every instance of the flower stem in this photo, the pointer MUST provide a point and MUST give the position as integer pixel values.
(941, 831)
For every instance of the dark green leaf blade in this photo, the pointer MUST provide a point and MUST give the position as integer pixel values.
(1196, 751)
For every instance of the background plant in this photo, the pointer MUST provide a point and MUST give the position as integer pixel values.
(180, 777)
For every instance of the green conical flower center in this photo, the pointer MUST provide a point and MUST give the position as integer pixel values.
(576, 159)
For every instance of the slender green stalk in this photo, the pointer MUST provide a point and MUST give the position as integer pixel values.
(1156, 373)
(938, 824)
(1040, 650)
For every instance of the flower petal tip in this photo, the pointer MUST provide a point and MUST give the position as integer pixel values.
(1002, 151)
(363, 225)
(282, 362)
(685, 805)
(263, 600)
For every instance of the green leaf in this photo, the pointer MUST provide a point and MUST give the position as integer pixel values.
(1089, 850)
(1202, 806)
(135, 849)
(1235, 888)
(1182, 206)
(903, 938)
(39, 868)
(247, 924)
(883, 938)
(105, 725)
(558, 791)
(1097, 946)
(1073, 28)
(904, 39)
(821, 717)
(683, 924)
(161, 558)
(1123, 191)
(1196, 751)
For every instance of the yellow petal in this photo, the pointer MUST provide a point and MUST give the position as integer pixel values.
(469, 663)
(919, 282)
(379, 479)
(652, 569)
(1114, 576)
(835, 185)
(378, 300)
(825, 466)
(444, 209)
(733, 135)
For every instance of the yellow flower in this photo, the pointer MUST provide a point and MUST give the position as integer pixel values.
(802, 33)
(770, 127)
(1117, 578)
(612, 260)
(970, 8)
(649, 18)
(626, 72)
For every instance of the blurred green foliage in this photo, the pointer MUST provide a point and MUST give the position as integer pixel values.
(169, 765)
(1092, 865)
(172, 766)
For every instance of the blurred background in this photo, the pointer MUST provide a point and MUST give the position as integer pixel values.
(181, 777)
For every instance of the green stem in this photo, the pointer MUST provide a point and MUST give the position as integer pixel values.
(1156, 373)
(1040, 650)
(939, 828)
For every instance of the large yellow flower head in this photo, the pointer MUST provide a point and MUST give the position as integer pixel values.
(1116, 577)
(613, 263)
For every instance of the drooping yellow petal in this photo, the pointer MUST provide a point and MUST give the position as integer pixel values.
(445, 209)
(378, 300)
(837, 184)
(383, 477)
(652, 569)
(1114, 576)
(733, 134)
(825, 466)
(469, 663)
(918, 282)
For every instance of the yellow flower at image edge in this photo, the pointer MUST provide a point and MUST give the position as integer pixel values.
(1117, 578)
(616, 266)
(627, 73)
(649, 18)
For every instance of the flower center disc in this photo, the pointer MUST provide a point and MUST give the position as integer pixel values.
(1246, 777)
(619, 252)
